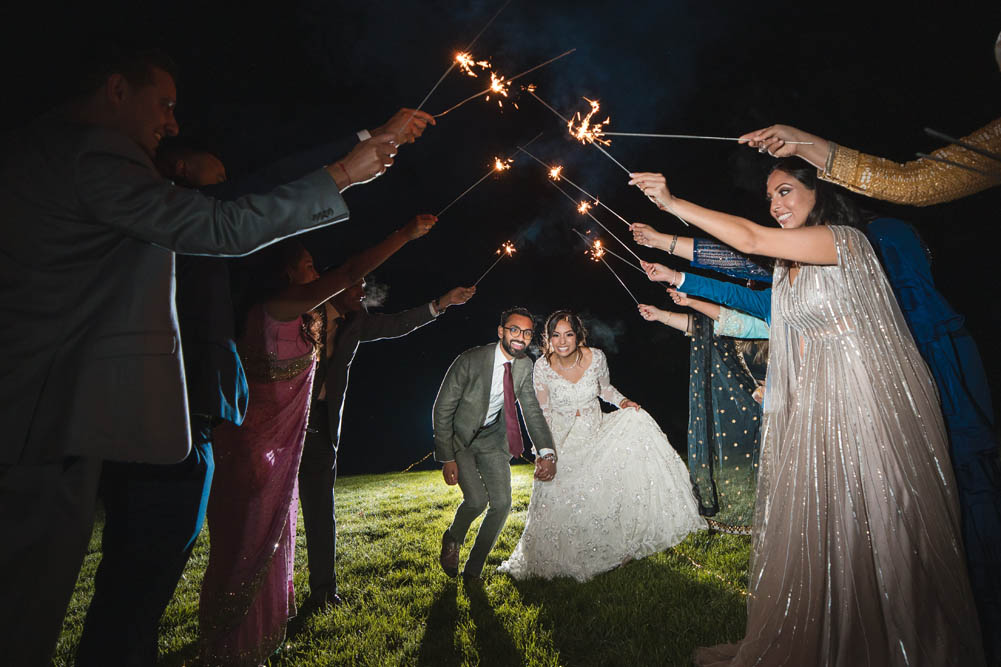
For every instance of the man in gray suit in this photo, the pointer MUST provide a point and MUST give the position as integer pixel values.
(477, 432)
(90, 359)
(347, 324)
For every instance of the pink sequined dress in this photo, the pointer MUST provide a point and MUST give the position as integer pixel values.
(247, 595)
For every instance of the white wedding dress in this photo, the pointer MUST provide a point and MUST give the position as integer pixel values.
(621, 492)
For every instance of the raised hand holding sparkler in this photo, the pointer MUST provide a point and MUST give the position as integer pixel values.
(507, 249)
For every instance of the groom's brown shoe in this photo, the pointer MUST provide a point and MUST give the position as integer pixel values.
(449, 558)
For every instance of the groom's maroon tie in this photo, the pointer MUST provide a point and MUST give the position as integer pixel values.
(514, 441)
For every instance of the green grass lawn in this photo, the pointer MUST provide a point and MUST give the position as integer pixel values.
(400, 609)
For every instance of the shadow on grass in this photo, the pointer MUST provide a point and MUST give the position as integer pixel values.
(643, 613)
(438, 642)
(495, 640)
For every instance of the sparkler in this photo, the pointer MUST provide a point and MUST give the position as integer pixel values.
(556, 174)
(585, 132)
(598, 249)
(591, 215)
(686, 136)
(499, 165)
(506, 250)
(964, 144)
(951, 162)
(466, 63)
(456, 61)
(502, 85)
(597, 253)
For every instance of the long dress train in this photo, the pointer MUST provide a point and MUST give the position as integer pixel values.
(857, 558)
(621, 492)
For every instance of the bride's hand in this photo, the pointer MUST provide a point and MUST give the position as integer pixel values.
(626, 403)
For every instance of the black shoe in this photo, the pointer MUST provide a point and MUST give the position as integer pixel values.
(323, 600)
(449, 558)
(472, 580)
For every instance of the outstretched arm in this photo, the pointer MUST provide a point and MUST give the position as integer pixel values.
(920, 182)
(680, 321)
(298, 299)
(755, 302)
(810, 245)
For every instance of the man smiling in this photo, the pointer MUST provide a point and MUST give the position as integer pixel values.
(476, 433)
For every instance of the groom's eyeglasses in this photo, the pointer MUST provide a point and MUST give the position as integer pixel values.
(518, 332)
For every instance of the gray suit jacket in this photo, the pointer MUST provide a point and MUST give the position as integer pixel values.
(464, 397)
(359, 327)
(90, 358)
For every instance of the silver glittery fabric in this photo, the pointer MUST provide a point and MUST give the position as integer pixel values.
(621, 492)
(857, 558)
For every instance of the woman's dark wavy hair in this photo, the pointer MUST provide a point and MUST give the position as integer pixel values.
(832, 206)
(576, 325)
(266, 275)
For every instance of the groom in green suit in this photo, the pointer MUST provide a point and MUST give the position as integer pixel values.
(476, 433)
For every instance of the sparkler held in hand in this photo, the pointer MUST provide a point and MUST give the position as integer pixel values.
(498, 84)
(597, 253)
(596, 246)
(507, 249)
(499, 165)
(585, 211)
(463, 59)
(684, 136)
(556, 174)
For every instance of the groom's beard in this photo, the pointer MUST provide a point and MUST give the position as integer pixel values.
(517, 354)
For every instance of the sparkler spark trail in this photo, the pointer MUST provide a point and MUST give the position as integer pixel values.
(585, 132)
(685, 136)
(556, 173)
(507, 249)
(531, 91)
(499, 165)
(465, 62)
(598, 249)
(598, 222)
(454, 63)
(506, 83)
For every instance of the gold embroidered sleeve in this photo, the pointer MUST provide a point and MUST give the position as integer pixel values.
(920, 182)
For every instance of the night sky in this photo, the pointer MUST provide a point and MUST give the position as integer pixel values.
(259, 84)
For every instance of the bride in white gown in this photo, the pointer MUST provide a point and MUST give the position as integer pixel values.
(621, 492)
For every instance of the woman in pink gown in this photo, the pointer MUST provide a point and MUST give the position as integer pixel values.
(247, 594)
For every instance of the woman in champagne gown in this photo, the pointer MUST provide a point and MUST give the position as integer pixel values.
(621, 492)
(857, 557)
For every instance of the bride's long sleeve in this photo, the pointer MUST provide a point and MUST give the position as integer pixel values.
(542, 394)
(606, 391)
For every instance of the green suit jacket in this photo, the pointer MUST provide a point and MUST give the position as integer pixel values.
(464, 396)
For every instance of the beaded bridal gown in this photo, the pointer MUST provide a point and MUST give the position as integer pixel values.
(621, 492)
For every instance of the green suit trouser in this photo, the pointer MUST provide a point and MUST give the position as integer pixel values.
(485, 480)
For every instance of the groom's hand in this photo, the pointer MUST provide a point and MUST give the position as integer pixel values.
(450, 471)
(545, 468)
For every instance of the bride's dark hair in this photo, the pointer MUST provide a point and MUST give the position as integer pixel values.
(576, 325)
(831, 207)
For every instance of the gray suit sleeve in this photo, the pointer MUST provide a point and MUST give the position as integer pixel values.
(535, 421)
(117, 184)
(393, 325)
(445, 405)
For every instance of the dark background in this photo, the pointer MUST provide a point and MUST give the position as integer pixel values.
(261, 82)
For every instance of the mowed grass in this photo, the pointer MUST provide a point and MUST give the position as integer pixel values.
(400, 609)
